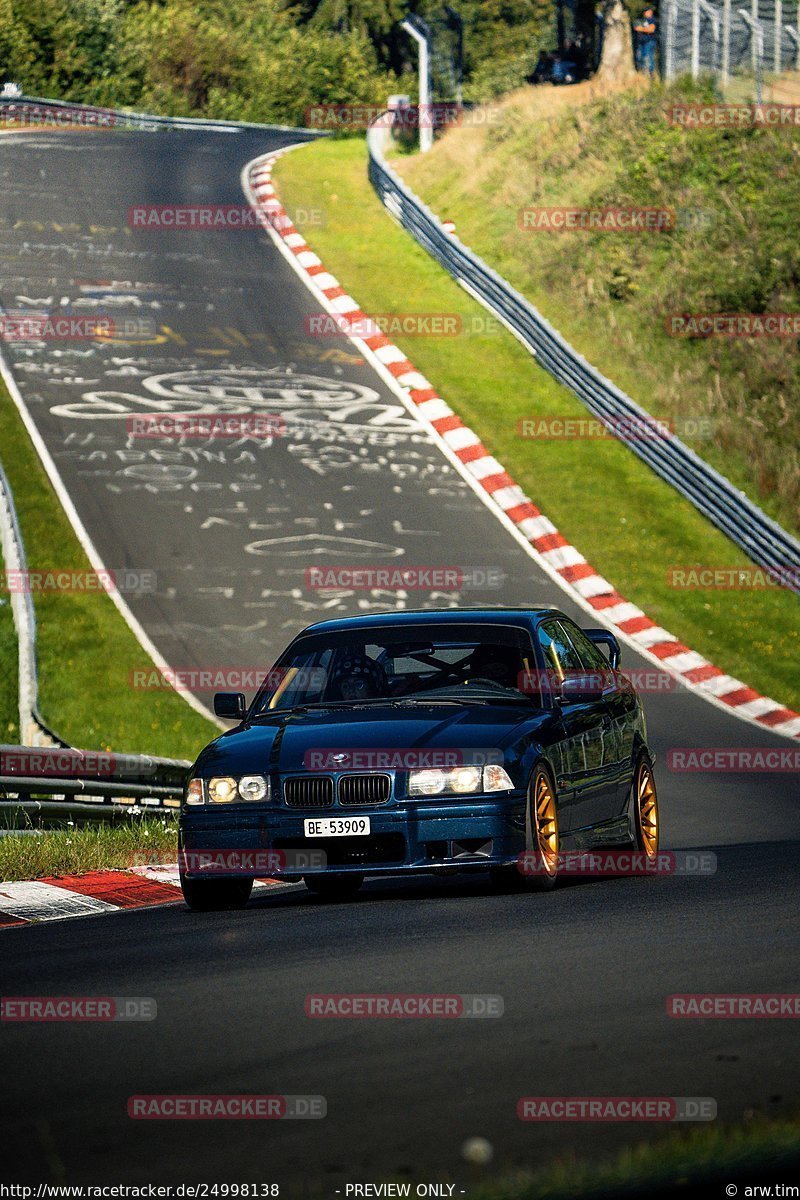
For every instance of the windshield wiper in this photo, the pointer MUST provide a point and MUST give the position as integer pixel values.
(324, 706)
(294, 708)
(472, 699)
(457, 700)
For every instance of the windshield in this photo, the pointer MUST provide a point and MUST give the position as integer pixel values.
(436, 663)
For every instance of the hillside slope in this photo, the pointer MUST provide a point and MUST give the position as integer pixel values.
(736, 202)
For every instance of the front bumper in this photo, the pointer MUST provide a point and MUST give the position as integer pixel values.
(429, 836)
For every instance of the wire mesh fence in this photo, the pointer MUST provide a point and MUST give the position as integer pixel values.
(728, 38)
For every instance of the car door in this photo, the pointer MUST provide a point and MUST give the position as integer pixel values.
(622, 706)
(588, 734)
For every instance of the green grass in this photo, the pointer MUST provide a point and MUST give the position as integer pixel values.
(735, 196)
(79, 848)
(9, 715)
(85, 650)
(628, 523)
(710, 1155)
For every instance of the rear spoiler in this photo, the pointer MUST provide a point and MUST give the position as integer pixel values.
(604, 637)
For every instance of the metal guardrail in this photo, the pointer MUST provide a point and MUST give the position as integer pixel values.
(120, 119)
(12, 555)
(31, 725)
(711, 493)
(88, 782)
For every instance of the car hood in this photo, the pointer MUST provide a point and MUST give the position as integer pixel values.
(305, 741)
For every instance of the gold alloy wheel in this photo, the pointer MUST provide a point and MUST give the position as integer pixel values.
(647, 809)
(546, 823)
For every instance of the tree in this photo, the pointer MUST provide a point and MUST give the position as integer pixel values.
(16, 47)
(617, 55)
(616, 63)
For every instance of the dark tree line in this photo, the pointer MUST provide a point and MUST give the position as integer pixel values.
(262, 59)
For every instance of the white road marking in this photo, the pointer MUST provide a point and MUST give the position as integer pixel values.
(32, 900)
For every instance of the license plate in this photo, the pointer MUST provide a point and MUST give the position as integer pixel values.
(337, 827)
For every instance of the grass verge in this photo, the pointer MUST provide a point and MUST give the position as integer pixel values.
(631, 525)
(9, 714)
(620, 297)
(77, 848)
(81, 634)
(709, 1155)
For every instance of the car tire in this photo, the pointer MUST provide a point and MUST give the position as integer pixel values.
(334, 887)
(644, 808)
(213, 895)
(542, 838)
(539, 870)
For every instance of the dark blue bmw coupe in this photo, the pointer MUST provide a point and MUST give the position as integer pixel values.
(427, 742)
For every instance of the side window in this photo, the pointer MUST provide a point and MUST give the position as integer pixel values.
(301, 683)
(591, 656)
(559, 653)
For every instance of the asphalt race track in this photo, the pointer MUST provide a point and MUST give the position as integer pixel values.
(228, 533)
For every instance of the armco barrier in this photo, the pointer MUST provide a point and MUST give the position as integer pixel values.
(88, 783)
(13, 559)
(31, 726)
(120, 119)
(731, 511)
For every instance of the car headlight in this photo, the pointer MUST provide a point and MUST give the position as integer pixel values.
(465, 779)
(254, 787)
(222, 789)
(194, 792)
(426, 783)
(458, 781)
(496, 779)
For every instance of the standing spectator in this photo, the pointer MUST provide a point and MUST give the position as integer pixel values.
(646, 42)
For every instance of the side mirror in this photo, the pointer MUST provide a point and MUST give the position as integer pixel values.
(604, 637)
(230, 706)
(577, 688)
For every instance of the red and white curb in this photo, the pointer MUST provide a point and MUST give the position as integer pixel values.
(562, 562)
(59, 897)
